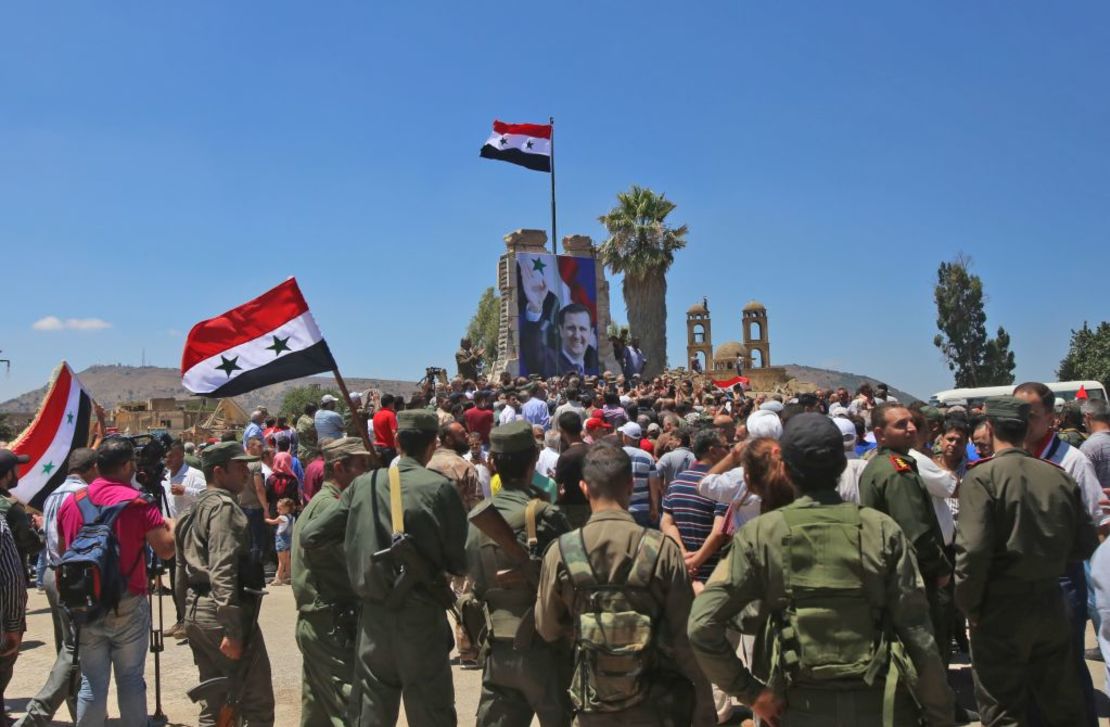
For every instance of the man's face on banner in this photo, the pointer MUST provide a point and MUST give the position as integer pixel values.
(575, 333)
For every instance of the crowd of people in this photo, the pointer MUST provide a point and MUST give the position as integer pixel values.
(683, 555)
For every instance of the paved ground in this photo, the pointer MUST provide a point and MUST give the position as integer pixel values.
(178, 672)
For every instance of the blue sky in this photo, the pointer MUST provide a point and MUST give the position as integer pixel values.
(162, 162)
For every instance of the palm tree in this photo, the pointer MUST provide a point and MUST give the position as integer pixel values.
(641, 247)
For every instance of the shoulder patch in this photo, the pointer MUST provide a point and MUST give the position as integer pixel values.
(900, 464)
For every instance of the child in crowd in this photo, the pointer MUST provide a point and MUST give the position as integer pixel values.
(283, 539)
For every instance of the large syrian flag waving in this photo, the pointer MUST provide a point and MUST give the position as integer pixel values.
(729, 383)
(528, 145)
(270, 339)
(61, 426)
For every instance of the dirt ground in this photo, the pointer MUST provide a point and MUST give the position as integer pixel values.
(278, 615)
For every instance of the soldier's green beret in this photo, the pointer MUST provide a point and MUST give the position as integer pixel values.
(1006, 407)
(418, 420)
(512, 437)
(342, 448)
(222, 454)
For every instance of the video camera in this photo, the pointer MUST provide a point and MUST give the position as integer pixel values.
(150, 461)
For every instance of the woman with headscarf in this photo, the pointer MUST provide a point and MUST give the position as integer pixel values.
(282, 483)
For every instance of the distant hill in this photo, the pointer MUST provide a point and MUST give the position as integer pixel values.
(826, 378)
(111, 385)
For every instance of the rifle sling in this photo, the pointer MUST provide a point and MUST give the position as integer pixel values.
(396, 512)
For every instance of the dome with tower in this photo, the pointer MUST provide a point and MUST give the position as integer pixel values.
(697, 309)
(754, 306)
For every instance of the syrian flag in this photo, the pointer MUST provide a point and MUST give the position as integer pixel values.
(270, 339)
(528, 145)
(726, 385)
(62, 425)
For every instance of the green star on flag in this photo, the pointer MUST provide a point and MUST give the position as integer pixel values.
(279, 345)
(46, 468)
(229, 365)
(538, 264)
(69, 418)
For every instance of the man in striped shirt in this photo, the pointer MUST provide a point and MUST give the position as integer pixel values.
(647, 487)
(697, 522)
(13, 608)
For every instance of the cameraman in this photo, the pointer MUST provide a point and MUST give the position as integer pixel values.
(119, 639)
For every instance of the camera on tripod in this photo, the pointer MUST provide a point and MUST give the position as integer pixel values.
(150, 463)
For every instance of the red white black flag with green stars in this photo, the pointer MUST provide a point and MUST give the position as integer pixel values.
(61, 426)
(528, 145)
(270, 339)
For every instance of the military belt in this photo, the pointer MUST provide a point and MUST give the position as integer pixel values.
(1021, 588)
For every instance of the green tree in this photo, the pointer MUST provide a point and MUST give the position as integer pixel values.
(7, 431)
(975, 359)
(1088, 356)
(485, 324)
(293, 403)
(641, 247)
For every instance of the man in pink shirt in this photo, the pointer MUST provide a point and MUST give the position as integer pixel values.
(120, 638)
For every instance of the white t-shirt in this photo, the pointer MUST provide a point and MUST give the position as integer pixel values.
(194, 483)
(285, 524)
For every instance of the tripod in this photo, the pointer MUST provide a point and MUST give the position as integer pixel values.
(154, 570)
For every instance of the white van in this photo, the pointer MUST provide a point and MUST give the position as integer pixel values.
(1065, 390)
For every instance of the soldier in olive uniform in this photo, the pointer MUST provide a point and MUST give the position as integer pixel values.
(522, 675)
(677, 691)
(1022, 520)
(213, 557)
(404, 644)
(327, 608)
(891, 485)
(27, 541)
(827, 581)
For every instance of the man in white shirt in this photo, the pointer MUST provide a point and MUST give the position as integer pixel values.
(848, 485)
(549, 455)
(181, 483)
(509, 413)
(62, 681)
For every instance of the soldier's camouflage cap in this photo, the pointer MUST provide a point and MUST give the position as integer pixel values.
(1006, 407)
(342, 448)
(219, 455)
(932, 413)
(419, 420)
(512, 437)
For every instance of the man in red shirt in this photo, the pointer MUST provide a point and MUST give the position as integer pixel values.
(118, 639)
(479, 418)
(385, 430)
(314, 472)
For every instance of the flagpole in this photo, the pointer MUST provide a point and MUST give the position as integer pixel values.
(554, 230)
(357, 419)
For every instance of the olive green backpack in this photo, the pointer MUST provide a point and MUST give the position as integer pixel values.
(614, 644)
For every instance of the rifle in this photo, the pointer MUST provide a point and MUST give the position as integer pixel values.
(229, 687)
(526, 572)
(412, 570)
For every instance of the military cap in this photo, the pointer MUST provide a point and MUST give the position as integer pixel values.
(931, 413)
(1006, 407)
(811, 442)
(419, 420)
(222, 454)
(342, 448)
(512, 437)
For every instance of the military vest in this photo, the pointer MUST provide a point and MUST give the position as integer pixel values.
(614, 640)
(508, 605)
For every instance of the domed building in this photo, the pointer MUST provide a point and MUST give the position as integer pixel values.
(753, 353)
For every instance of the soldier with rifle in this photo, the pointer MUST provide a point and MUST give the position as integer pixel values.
(327, 608)
(402, 529)
(522, 675)
(223, 597)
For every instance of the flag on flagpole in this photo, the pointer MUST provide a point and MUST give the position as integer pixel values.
(1082, 393)
(61, 425)
(726, 385)
(270, 339)
(528, 145)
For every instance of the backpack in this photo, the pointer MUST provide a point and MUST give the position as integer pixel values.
(614, 639)
(90, 580)
(832, 627)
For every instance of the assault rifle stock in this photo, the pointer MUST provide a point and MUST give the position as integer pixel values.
(413, 569)
(230, 688)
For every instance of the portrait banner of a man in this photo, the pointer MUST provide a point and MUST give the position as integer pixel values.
(557, 299)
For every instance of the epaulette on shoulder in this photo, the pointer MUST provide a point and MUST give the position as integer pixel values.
(900, 463)
(978, 462)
